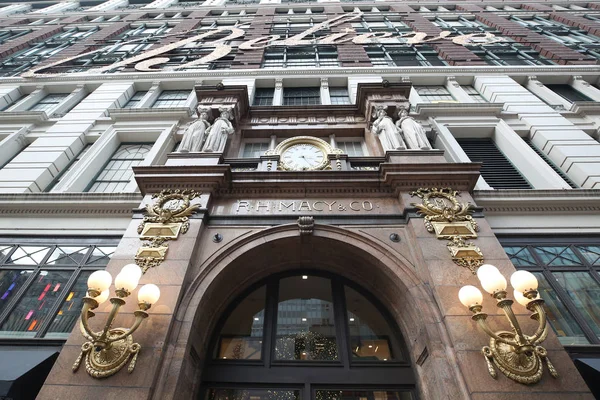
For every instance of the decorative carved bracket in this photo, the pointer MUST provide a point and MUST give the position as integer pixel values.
(306, 225)
(449, 219)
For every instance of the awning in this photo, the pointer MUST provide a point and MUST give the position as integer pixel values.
(589, 368)
(23, 370)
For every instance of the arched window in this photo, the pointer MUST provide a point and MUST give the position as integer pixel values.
(307, 336)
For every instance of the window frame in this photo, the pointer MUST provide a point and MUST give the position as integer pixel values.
(269, 372)
(546, 270)
(76, 271)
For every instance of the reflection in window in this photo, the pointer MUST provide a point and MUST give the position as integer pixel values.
(242, 335)
(135, 100)
(11, 282)
(252, 394)
(27, 255)
(70, 310)
(263, 97)
(117, 173)
(361, 395)
(370, 335)
(171, 98)
(339, 95)
(561, 320)
(557, 256)
(434, 94)
(305, 320)
(568, 92)
(25, 319)
(585, 294)
(49, 102)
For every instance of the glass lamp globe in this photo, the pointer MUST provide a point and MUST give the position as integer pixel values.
(99, 280)
(127, 280)
(493, 282)
(133, 269)
(470, 296)
(486, 269)
(101, 298)
(149, 294)
(523, 281)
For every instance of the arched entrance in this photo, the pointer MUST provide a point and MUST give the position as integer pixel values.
(235, 268)
(306, 335)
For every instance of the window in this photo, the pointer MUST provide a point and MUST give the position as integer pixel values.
(171, 98)
(117, 173)
(352, 148)
(135, 100)
(434, 94)
(544, 157)
(10, 34)
(301, 96)
(42, 284)
(255, 149)
(23, 60)
(300, 57)
(339, 95)
(474, 94)
(49, 103)
(572, 37)
(497, 170)
(314, 322)
(403, 55)
(569, 283)
(69, 167)
(568, 92)
(263, 96)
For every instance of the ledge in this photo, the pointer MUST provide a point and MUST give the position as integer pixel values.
(123, 114)
(23, 116)
(113, 204)
(458, 109)
(538, 200)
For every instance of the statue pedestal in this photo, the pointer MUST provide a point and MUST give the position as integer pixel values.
(415, 156)
(179, 159)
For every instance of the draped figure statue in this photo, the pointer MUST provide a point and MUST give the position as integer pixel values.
(195, 134)
(218, 132)
(414, 133)
(386, 131)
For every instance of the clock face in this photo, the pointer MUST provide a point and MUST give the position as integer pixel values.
(303, 156)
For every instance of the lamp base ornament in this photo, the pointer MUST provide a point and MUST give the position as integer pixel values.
(523, 367)
(104, 362)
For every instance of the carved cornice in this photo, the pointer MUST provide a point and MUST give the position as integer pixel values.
(23, 116)
(204, 178)
(114, 204)
(585, 107)
(319, 72)
(542, 201)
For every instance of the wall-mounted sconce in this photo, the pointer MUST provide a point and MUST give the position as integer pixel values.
(517, 355)
(107, 351)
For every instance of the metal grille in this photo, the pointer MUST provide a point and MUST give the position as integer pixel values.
(550, 163)
(497, 171)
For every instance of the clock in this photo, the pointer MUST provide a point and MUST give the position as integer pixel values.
(303, 153)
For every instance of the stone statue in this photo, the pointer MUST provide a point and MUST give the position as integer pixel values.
(195, 134)
(388, 133)
(218, 132)
(414, 133)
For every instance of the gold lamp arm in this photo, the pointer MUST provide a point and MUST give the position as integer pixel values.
(140, 315)
(481, 321)
(86, 312)
(506, 306)
(117, 304)
(542, 330)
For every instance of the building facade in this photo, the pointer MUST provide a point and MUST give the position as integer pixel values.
(294, 177)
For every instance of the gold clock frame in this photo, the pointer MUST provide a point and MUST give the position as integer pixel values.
(296, 140)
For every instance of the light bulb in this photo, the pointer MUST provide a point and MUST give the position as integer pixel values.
(132, 269)
(523, 281)
(99, 280)
(470, 295)
(126, 280)
(493, 283)
(486, 269)
(149, 293)
(101, 298)
(522, 300)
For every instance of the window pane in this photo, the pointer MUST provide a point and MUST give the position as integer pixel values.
(71, 256)
(242, 335)
(585, 293)
(361, 395)
(10, 283)
(557, 256)
(520, 256)
(370, 335)
(305, 320)
(561, 320)
(591, 254)
(100, 255)
(32, 308)
(27, 255)
(69, 312)
(253, 394)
